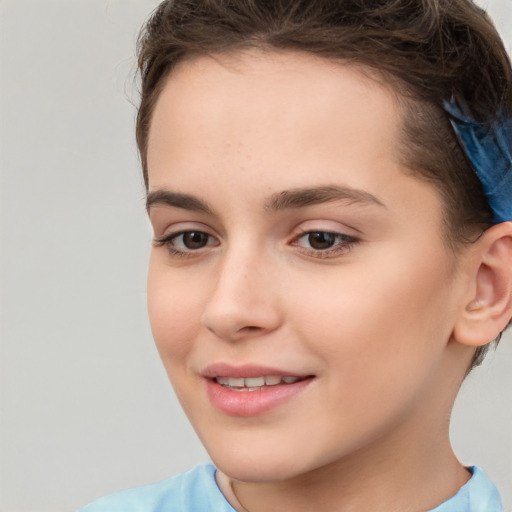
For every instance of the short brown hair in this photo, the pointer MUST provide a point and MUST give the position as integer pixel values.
(429, 50)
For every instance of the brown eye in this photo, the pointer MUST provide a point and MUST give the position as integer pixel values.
(194, 239)
(186, 243)
(325, 244)
(321, 240)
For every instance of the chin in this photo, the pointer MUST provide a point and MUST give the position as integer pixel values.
(249, 472)
(258, 463)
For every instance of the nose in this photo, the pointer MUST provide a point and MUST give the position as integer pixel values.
(244, 299)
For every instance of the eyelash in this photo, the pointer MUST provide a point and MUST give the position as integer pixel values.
(167, 241)
(344, 244)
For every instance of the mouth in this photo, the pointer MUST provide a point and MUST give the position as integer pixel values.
(256, 383)
(252, 390)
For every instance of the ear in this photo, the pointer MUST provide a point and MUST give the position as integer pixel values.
(488, 305)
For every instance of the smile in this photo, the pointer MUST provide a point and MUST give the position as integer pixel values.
(250, 391)
(254, 383)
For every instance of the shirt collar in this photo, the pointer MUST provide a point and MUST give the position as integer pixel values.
(478, 495)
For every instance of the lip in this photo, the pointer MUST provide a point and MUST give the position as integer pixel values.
(247, 370)
(250, 403)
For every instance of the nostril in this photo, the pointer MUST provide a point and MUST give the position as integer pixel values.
(236, 333)
(250, 328)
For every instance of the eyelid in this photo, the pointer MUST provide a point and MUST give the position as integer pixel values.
(346, 240)
(327, 226)
(175, 228)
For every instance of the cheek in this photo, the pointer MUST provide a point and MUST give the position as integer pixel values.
(380, 320)
(174, 306)
(378, 346)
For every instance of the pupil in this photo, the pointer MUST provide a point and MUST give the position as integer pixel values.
(195, 239)
(321, 240)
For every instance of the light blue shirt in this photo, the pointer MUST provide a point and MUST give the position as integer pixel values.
(197, 491)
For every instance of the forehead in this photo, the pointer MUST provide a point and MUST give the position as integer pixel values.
(295, 101)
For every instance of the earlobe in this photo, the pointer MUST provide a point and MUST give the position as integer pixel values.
(488, 307)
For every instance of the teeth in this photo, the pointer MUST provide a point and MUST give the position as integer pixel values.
(255, 382)
(236, 383)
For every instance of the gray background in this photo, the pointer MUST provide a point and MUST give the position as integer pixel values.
(85, 406)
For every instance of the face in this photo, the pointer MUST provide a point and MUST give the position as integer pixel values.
(300, 294)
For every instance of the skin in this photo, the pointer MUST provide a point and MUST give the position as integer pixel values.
(372, 318)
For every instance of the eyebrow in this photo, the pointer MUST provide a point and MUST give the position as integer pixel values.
(301, 197)
(176, 200)
(287, 199)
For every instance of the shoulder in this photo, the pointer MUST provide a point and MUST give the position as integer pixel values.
(478, 495)
(191, 491)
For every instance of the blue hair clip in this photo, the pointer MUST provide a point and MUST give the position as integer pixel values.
(489, 149)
